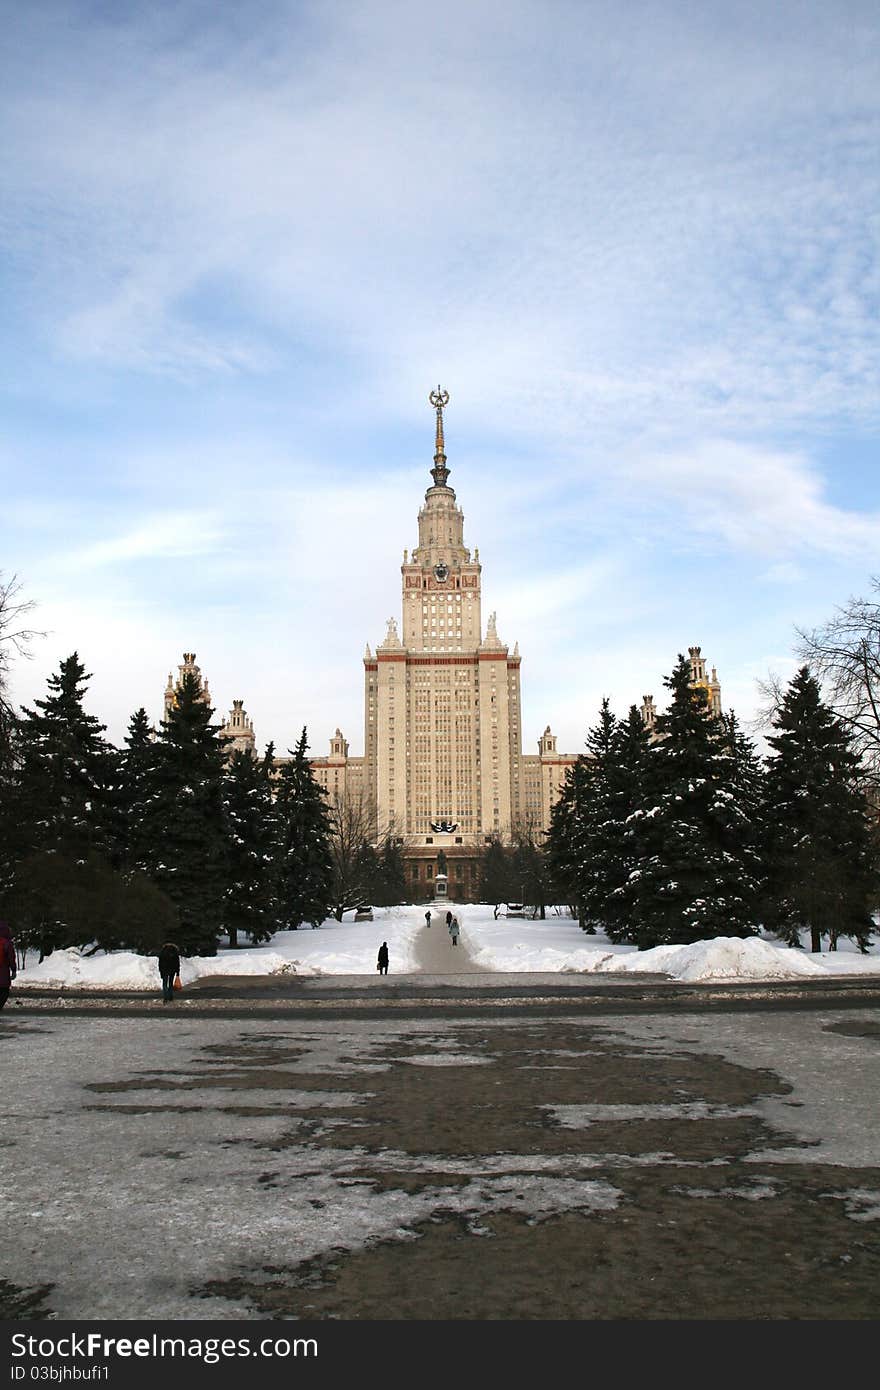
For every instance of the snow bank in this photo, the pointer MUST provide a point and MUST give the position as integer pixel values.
(125, 970)
(505, 945)
(535, 958)
(723, 958)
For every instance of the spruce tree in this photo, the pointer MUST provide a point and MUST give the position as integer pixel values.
(303, 830)
(579, 826)
(564, 839)
(621, 841)
(821, 864)
(698, 876)
(184, 843)
(749, 797)
(139, 761)
(250, 904)
(130, 794)
(57, 811)
(64, 768)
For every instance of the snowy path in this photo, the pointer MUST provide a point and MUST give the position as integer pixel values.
(436, 955)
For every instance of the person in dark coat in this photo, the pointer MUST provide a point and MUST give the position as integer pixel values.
(448, 920)
(169, 966)
(428, 918)
(382, 962)
(8, 964)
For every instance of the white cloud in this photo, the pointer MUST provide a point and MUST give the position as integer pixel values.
(244, 248)
(753, 499)
(166, 535)
(685, 232)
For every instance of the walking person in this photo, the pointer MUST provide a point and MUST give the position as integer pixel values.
(169, 969)
(449, 921)
(8, 963)
(382, 962)
(454, 929)
(428, 918)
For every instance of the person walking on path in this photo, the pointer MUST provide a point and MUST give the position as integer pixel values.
(169, 968)
(453, 929)
(449, 921)
(428, 918)
(8, 964)
(382, 962)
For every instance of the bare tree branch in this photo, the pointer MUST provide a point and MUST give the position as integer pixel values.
(16, 634)
(771, 692)
(845, 656)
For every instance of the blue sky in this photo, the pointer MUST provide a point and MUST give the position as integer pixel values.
(239, 244)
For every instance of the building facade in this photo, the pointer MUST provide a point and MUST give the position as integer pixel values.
(443, 764)
(238, 729)
(443, 767)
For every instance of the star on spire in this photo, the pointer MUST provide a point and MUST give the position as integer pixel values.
(439, 472)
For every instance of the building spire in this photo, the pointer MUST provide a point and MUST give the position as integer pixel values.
(439, 472)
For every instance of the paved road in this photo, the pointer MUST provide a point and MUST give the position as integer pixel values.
(497, 1151)
(468, 989)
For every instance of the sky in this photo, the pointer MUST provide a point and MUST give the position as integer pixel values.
(239, 245)
(554, 946)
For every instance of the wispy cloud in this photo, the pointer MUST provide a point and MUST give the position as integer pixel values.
(633, 242)
(164, 536)
(754, 499)
(638, 244)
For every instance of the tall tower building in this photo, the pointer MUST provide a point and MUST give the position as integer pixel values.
(442, 710)
(443, 764)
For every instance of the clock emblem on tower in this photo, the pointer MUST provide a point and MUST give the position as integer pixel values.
(441, 572)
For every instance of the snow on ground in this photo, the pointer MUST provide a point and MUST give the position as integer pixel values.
(555, 946)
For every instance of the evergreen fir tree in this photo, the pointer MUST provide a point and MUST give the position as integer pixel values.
(822, 870)
(303, 827)
(250, 904)
(184, 843)
(64, 768)
(749, 792)
(89, 904)
(579, 823)
(600, 823)
(130, 795)
(57, 808)
(564, 839)
(620, 840)
(139, 762)
(698, 877)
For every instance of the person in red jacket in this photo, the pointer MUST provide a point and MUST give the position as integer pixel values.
(8, 965)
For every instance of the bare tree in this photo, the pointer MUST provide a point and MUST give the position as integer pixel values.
(357, 845)
(16, 634)
(353, 849)
(844, 655)
(771, 690)
(530, 864)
